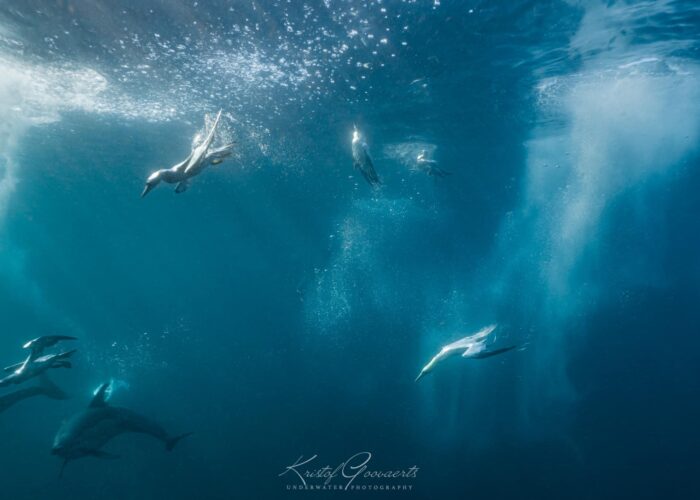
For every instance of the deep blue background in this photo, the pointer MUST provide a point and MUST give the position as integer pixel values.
(280, 308)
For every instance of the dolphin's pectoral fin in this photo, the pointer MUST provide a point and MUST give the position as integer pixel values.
(103, 454)
(182, 186)
(216, 161)
(63, 467)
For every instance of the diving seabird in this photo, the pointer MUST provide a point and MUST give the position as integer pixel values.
(38, 345)
(472, 346)
(199, 159)
(361, 159)
(430, 166)
(36, 364)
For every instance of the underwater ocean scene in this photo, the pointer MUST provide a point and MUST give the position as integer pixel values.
(426, 249)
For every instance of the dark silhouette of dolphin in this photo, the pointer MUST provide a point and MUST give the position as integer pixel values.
(88, 431)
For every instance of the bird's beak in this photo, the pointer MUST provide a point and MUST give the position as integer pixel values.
(420, 375)
(147, 189)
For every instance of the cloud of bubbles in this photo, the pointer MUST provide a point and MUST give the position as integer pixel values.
(623, 122)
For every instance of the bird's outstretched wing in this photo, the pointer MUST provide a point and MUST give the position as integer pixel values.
(199, 152)
(218, 155)
(466, 342)
(495, 352)
(38, 345)
(370, 173)
(14, 367)
(60, 355)
(180, 167)
(366, 166)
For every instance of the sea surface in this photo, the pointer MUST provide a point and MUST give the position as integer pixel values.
(281, 308)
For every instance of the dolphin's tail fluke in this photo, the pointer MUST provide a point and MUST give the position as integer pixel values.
(172, 442)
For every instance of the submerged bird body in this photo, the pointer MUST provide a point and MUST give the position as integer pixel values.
(35, 364)
(429, 166)
(87, 432)
(38, 345)
(362, 160)
(472, 346)
(32, 368)
(199, 159)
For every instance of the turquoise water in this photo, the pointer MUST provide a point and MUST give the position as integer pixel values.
(282, 308)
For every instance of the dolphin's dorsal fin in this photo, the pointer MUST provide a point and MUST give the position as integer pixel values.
(99, 400)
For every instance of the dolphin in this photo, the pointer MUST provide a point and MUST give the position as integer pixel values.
(84, 434)
(472, 346)
(199, 159)
(362, 160)
(35, 364)
(45, 388)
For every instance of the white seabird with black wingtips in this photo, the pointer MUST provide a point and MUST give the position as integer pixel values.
(361, 159)
(36, 363)
(472, 346)
(199, 159)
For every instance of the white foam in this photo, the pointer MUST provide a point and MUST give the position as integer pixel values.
(405, 153)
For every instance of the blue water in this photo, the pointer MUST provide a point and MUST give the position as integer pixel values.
(282, 308)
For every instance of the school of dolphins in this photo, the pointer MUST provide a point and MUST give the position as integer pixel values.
(88, 431)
